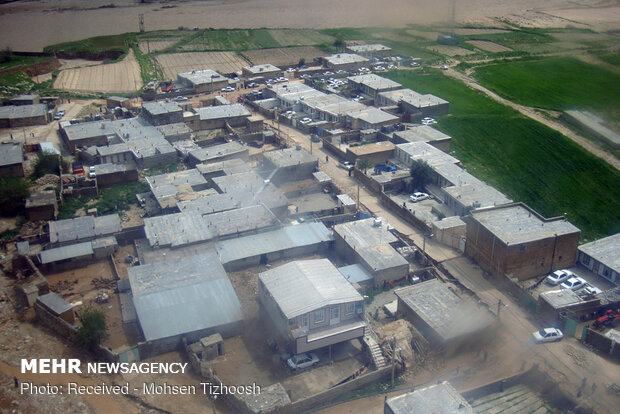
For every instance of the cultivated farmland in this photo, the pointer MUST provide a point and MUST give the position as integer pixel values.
(555, 83)
(123, 76)
(451, 50)
(285, 56)
(155, 45)
(299, 37)
(223, 62)
(523, 158)
(489, 46)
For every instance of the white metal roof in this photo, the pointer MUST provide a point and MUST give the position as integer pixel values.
(305, 285)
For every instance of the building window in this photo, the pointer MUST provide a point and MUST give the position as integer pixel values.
(522, 247)
(349, 308)
(303, 321)
(358, 307)
(319, 316)
(334, 313)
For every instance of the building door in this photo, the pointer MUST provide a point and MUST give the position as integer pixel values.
(334, 315)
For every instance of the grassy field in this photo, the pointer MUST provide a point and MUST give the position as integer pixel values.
(94, 45)
(555, 83)
(23, 60)
(524, 159)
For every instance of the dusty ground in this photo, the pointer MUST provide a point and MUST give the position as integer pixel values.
(489, 46)
(123, 76)
(223, 62)
(65, 20)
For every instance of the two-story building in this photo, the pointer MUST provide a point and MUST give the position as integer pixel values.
(311, 305)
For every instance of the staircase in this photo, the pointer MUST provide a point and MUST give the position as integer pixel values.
(370, 339)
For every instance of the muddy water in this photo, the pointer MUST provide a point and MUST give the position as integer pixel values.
(104, 404)
(66, 20)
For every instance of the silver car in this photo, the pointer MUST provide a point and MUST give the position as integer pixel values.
(302, 361)
(573, 283)
(547, 335)
(558, 277)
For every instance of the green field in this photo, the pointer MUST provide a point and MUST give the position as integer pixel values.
(234, 39)
(524, 159)
(555, 83)
(23, 61)
(94, 45)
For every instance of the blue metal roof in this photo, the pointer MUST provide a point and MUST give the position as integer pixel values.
(184, 295)
(356, 273)
(286, 238)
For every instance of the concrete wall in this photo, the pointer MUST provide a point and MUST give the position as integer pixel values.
(14, 170)
(320, 399)
(108, 180)
(603, 344)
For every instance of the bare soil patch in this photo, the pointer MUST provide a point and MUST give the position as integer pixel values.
(223, 62)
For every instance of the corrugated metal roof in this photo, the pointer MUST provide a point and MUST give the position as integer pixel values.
(12, 153)
(305, 285)
(286, 238)
(66, 252)
(85, 227)
(181, 296)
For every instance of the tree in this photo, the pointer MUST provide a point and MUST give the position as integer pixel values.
(46, 163)
(302, 62)
(94, 328)
(339, 43)
(421, 174)
(13, 192)
(363, 165)
(6, 55)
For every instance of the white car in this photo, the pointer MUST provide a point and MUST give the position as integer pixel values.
(573, 283)
(558, 277)
(91, 172)
(547, 335)
(445, 67)
(346, 165)
(289, 113)
(589, 290)
(228, 89)
(252, 85)
(417, 196)
(305, 120)
(428, 121)
(180, 98)
(302, 361)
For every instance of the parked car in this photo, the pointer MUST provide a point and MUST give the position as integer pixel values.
(547, 335)
(589, 290)
(252, 85)
(305, 120)
(417, 196)
(302, 361)
(558, 277)
(180, 98)
(445, 67)
(289, 113)
(346, 165)
(256, 143)
(428, 121)
(573, 283)
(91, 172)
(228, 89)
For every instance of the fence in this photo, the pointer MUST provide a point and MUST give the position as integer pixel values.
(602, 343)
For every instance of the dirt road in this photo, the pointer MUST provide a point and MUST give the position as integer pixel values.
(532, 113)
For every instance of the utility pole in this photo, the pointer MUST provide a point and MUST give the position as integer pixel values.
(141, 22)
(358, 195)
